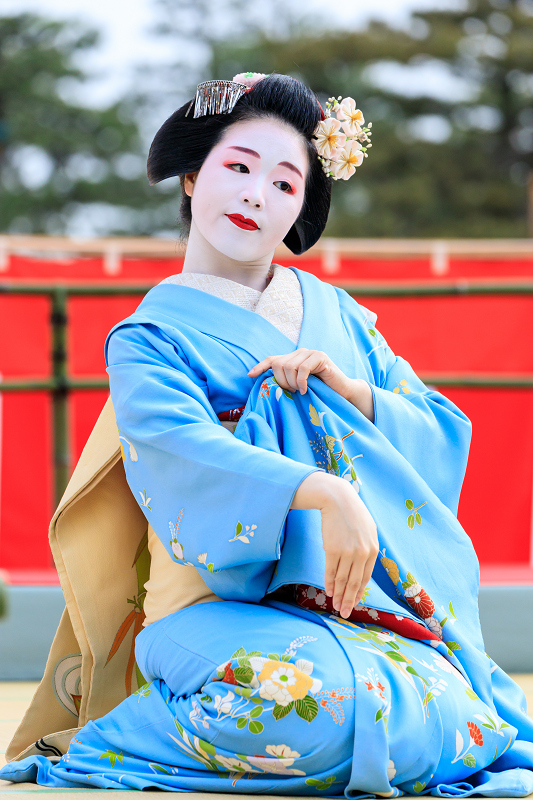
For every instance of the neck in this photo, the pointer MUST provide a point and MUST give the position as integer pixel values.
(202, 257)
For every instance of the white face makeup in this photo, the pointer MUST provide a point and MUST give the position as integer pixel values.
(256, 173)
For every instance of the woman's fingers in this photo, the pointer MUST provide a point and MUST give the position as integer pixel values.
(291, 370)
(367, 574)
(332, 562)
(261, 367)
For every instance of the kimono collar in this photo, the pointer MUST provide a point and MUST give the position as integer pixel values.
(169, 304)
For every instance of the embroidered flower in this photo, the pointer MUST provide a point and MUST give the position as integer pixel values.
(249, 78)
(350, 157)
(434, 626)
(351, 117)
(224, 704)
(329, 139)
(281, 751)
(234, 764)
(283, 682)
(420, 601)
(278, 766)
(177, 549)
(196, 714)
(475, 734)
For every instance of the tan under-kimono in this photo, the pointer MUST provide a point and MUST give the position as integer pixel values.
(115, 573)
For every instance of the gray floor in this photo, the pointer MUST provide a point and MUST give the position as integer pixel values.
(34, 611)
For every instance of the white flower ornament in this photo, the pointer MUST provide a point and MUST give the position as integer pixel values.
(329, 138)
(351, 117)
(342, 143)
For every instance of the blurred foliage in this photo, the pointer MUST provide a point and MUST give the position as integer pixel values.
(442, 164)
(59, 160)
(474, 181)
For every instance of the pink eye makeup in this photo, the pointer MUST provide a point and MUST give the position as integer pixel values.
(285, 187)
(233, 164)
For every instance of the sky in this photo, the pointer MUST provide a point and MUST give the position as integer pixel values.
(125, 40)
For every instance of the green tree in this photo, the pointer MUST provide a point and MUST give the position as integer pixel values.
(60, 160)
(471, 182)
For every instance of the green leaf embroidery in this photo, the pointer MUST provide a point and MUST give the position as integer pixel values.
(245, 691)
(453, 646)
(418, 787)
(321, 786)
(346, 459)
(443, 622)
(379, 715)
(306, 708)
(471, 694)
(469, 760)
(411, 521)
(353, 474)
(411, 580)
(409, 505)
(395, 656)
(371, 332)
(278, 712)
(210, 567)
(205, 698)
(255, 726)
(244, 674)
(242, 722)
(207, 747)
(112, 756)
(452, 612)
(256, 712)
(273, 656)
(285, 657)
(238, 528)
(418, 518)
(239, 653)
(159, 768)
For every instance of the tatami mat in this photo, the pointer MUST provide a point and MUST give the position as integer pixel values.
(15, 698)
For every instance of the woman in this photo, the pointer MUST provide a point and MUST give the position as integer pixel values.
(346, 655)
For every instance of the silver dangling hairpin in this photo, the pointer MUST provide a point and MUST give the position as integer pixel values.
(216, 97)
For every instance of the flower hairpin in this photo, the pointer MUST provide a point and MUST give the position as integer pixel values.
(342, 142)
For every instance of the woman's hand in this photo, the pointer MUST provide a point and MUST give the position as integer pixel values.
(349, 537)
(292, 370)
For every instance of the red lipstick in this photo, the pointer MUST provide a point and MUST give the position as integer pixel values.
(243, 222)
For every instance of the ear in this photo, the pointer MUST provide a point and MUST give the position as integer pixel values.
(188, 182)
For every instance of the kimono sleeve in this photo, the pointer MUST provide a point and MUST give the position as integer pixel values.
(422, 424)
(214, 501)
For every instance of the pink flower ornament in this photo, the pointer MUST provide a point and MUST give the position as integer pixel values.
(249, 78)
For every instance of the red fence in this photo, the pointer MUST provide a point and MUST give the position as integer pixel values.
(448, 335)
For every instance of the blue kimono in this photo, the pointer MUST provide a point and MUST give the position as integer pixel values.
(256, 695)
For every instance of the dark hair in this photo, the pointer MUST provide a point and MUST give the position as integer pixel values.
(183, 143)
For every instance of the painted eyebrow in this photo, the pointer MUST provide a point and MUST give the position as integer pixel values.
(253, 153)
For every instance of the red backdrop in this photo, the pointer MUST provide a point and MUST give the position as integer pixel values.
(460, 334)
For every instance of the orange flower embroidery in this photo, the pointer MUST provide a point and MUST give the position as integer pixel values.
(475, 734)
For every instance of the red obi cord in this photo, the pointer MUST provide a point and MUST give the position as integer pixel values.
(233, 415)
(316, 600)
